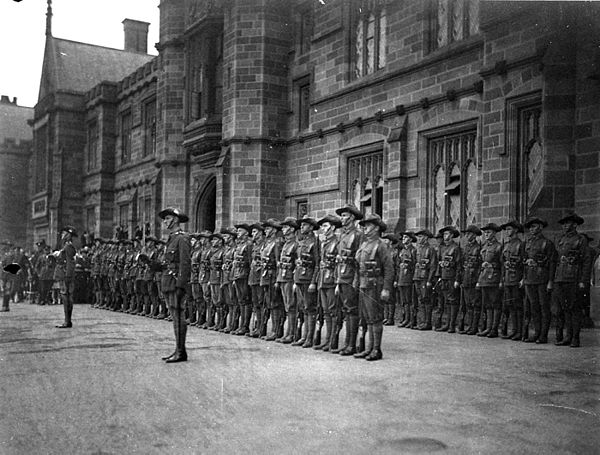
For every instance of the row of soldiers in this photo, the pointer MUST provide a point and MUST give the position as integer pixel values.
(243, 277)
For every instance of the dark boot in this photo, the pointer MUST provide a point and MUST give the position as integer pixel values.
(391, 314)
(311, 321)
(361, 338)
(453, 315)
(569, 337)
(276, 320)
(467, 321)
(346, 338)
(545, 328)
(560, 325)
(318, 329)
(414, 324)
(402, 320)
(576, 321)
(513, 322)
(439, 327)
(291, 328)
(376, 353)
(334, 335)
(352, 322)
(488, 323)
(406, 322)
(327, 337)
(461, 322)
(246, 312)
(427, 322)
(525, 327)
(286, 333)
(504, 325)
(474, 323)
(369, 346)
(495, 324)
(518, 321)
(302, 331)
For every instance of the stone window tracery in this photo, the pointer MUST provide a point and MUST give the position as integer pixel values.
(452, 21)
(369, 37)
(366, 183)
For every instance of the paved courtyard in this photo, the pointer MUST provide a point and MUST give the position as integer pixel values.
(101, 388)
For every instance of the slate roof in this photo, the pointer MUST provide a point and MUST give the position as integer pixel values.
(77, 67)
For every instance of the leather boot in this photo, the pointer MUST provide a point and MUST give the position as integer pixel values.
(504, 325)
(193, 320)
(299, 324)
(488, 323)
(513, 322)
(558, 330)
(453, 315)
(275, 320)
(400, 309)
(311, 321)
(474, 323)
(427, 322)
(406, 319)
(518, 321)
(246, 311)
(544, 329)
(391, 314)
(327, 337)
(442, 328)
(361, 338)
(303, 331)
(343, 347)
(461, 322)
(291, 328)
(334, 335)
(368, 346)
(316, 339)
(386, 313)
(525, 327)
(569, 336)
(376, 353)
(414, 318)
(576, 321)
(352, 323)
(497, 314)
(466, 322)
(287, 329)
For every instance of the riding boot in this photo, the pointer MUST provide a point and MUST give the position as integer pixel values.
(352, 331)
(386, 313)
(302, 332)
(576, 320)
(400, 310)
(326, 339)
(391, 314)
(488, 323)
(513, 322)
(504, 323)
(495, 323)
(525, 327)
(311, 322)
(244, 320)
(376, 353)
(406, 319)
(276, 319)
(518, 321)
(361, 338)
(467, 321)
(453, 315)
(369, 346)
(414, 318)
(439, 326)
(290, 332)
(461, 322)
(569, 337)
(427, 319)
(334, 335)
(346, 337)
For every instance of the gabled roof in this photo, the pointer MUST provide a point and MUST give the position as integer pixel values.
(77, 67)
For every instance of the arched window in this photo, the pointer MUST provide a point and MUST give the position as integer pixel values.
(206, 207)
(369, 40)
(365, 175)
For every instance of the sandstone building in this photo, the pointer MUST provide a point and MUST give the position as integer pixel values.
(426, 112)
(15, 153)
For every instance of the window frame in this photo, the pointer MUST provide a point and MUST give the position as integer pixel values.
(303, 85)
(92, 144)
(126, 135)
(149, 130)
(433, 24)
(357, 17)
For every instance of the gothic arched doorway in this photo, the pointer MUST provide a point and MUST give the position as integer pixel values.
(206, 207)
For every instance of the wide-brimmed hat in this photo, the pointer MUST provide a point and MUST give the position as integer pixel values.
(491, 227)
(273, 223)
(183, 218)
(452, 229)
(258, 226)
(411, 234)
(309, 220)
(571, 216)
(474, 229)
(331, 219)
(217, 235)
(535, 220)
(373, 218)
(243, 226)
(70, 229)
(205, 233)
(391, 237)
(290, 221)
(425, 232)
(231, 231)
(350, 209)
(512, 223)
(12, 268)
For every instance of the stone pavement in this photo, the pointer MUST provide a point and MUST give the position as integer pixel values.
(101, 388)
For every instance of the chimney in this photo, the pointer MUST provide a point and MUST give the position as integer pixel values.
(5, 99)
(136, 36)
(15, 100)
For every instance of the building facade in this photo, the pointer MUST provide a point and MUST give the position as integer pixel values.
(426, 112)
(15, 153)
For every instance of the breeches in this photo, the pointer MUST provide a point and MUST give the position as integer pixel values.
(491, 298)
(287, 293)
(537, 300)
(242, 292)
(565, 298)
(349, 299)
(513, 298)
(371, 308)
(329, 301)
(307, 301)
(406, 295)
(448, 293)
(257, 297)
(472, 297)
(422, 293)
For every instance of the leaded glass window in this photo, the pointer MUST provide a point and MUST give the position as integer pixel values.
(366, 183)
(369, 37)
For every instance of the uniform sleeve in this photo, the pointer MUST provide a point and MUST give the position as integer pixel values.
(185, 262)
(586, 261)
(459, 264)
(385, 259)
(552, 256)
(316, 254)
(433, 264)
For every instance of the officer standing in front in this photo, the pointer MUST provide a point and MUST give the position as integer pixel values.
(65, 274)
(175, 277)
(571, 274)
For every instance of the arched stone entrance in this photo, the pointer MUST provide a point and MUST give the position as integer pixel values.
(206, 207)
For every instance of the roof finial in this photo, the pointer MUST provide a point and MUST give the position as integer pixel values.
(49, 19)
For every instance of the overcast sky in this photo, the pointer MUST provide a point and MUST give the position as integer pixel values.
(22, 35)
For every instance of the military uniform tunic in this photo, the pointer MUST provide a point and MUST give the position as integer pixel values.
(307, 272)
(326, 277)
(349, 242)
(490, 276)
